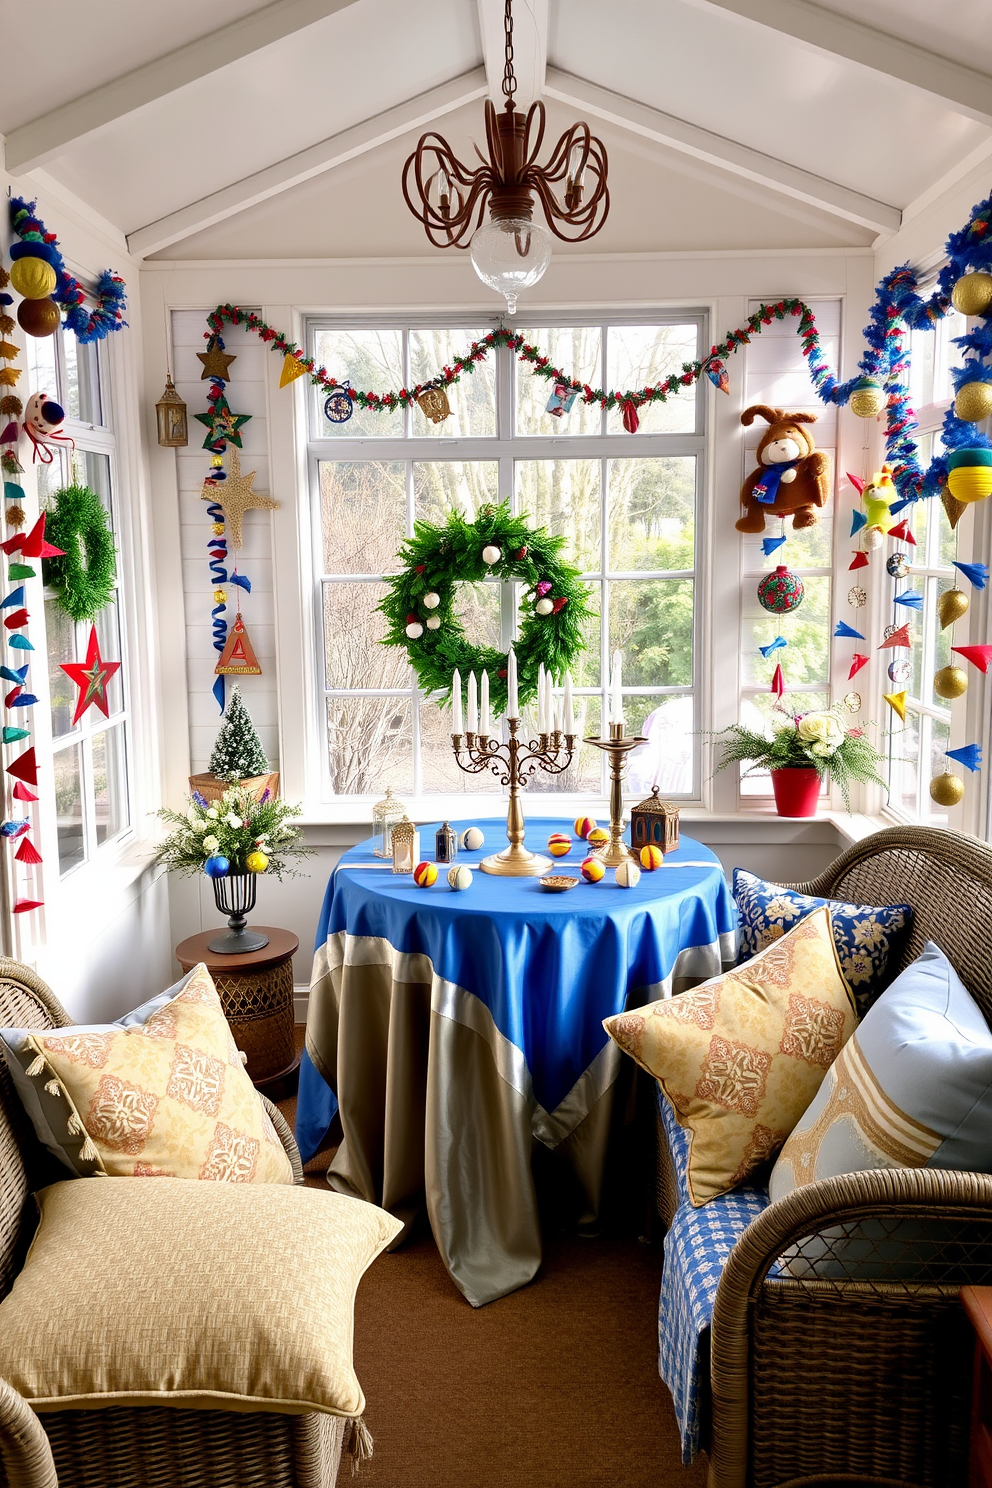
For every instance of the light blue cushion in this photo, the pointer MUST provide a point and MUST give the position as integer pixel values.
(867, 936)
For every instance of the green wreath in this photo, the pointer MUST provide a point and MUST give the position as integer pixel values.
(78, 524)
(420, 604)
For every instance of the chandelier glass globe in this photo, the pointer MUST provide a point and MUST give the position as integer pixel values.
(511, 254)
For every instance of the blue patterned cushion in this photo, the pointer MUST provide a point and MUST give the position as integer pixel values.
(867, 936)
(696, 1248)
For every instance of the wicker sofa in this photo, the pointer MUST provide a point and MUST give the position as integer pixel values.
(129, 1447)
(844, 1374)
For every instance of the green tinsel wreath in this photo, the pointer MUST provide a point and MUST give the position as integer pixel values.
(436, 559)
(78, 524)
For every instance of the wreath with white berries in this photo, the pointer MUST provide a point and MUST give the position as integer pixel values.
(420, 604)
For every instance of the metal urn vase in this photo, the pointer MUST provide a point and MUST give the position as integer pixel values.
(234, 895)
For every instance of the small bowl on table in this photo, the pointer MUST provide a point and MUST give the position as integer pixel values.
(558, 883)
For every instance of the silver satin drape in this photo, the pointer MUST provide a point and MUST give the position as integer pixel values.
(435, 1103)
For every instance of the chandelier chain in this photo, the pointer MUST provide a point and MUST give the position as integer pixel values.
(509, 81)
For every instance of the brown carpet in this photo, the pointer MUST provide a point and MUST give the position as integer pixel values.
(555, 1386)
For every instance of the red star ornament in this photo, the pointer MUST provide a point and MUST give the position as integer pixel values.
(91, 677)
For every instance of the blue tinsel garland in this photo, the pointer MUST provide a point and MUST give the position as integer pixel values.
(110, 293)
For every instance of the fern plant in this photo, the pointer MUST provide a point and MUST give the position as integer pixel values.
(816, 740)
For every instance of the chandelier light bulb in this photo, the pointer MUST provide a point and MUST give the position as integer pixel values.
(510, 255)
(575, 177)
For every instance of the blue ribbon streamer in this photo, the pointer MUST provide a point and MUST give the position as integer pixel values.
(218, 573)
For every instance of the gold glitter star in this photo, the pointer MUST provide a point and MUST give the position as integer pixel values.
(236, 496)
(215, 364)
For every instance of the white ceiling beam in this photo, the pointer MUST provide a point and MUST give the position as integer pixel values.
(530, 48)
(314, 161)
(728, 155)
(968, 92)
(33, 143)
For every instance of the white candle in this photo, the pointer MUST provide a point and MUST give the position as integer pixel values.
(484, 704)
(569, 711)
(473, 705)
(559, 712)
(512, 709)
(456, 702)
(616, 701)
(540, 698)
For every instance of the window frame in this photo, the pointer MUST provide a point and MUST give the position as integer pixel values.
(505, 450)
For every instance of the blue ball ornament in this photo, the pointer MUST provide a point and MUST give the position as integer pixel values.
(216, 867)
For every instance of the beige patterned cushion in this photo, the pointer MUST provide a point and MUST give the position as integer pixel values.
(207, 1295)
(741, 1057)
(164, 1096)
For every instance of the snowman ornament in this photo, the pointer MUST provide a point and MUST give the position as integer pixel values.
(43, 419)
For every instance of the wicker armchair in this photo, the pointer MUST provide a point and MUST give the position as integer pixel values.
(842, 1375)
(129, 1447)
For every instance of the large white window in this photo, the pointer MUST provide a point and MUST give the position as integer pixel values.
(90, 758)
(626, 505)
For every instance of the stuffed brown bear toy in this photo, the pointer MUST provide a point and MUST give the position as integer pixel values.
(792, 475)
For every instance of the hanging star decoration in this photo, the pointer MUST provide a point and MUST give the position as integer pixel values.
(236, 496)
(216, 361)
(91, 677)
(222, 424)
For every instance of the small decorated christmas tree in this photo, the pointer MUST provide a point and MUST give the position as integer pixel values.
(238, 752)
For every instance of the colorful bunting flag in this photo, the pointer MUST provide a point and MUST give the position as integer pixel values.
(857, 662)
(845, 631)
(902, 532)
(979, 656)
(858, 520)
(16, 597)
(24, 767)
(27, 852)
(23, 905)
(21, 792)
(769, 544)
(897, 702)
(975, 573)
(910, 600)
(12, 735)
(898, 637)
(969, 755)
(774, 645)
(778, 682)
(860, 560)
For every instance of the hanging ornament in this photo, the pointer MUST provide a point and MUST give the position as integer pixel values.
(860, 560)
(843, 631)
(170, 417)
(238, 656)
(979, 656)
(769, 544)
(339, 406)
(858, 520)
(857, 597)
(969, 755)
(897, 702)
(43, 419)
(946, 789)
(433, 404)
(872, 539)
(857, 662)
(976, 573)
(717, 374)
(491, 555)
(899, 671)
(955, 509)
(27, 852)
(852, 701)
(222, 424)
(969, 474)
(951, 605)
(950, 682)
(867, 398)
(896, 635)
(972, 294)
(33, 278)
(781, 592)
(39, 317)
(902, 532)
(778, 682)
(25, 767)
(973, 402)
(292, 368)
(91, 677)
(896, 566)
(561, 400)
(775, 645)
(236, 497)
(909, 600)
(216, 361)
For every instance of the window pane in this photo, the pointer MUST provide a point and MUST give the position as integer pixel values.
(110, 783)
(472, 398)
(652, 513)
(353, 631)
(43, 375)
(564, 497)
(940, 742)
(651, 623)
(369, 745)
(372, 360)
(576, 351)
(948, 356)
(904, 755)
(640, 356)
(69, 807)
(93, 470)
(667, 759)
(463, 485)
(108, 630)
(810, 547)
(806, 656)
(439, 771)
(585, 773)
(61, 633)
(81, 393)
(52, 478)
(362, 515)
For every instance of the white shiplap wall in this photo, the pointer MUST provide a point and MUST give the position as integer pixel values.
(246, 393)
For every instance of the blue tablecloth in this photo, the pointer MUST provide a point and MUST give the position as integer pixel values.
(533, 973)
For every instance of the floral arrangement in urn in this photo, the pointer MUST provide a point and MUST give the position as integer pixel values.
(799, 752)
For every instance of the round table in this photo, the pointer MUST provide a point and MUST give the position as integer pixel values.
(452, 1030)
(256, 992)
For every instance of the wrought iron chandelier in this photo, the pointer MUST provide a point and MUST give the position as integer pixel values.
(511, 251)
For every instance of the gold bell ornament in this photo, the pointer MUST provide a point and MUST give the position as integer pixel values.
(950, 682)
(969, 474)
(951, 605)
(946, 789)
(973, 402)
(972, 294)
(867, 399)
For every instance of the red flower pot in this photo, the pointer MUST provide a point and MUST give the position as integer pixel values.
(797, 790)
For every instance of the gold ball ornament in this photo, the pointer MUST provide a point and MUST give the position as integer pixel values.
(973, 402)
(950, 682)
(33, 278)
(38, 317)
(951, 605)
(867, 399)
(946, 789)
(627, 875)
(972, 294)
(256, 862)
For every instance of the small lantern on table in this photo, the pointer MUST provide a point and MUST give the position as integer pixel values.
(655, 823)
(445, 844)
(385, 814)
(405, 846)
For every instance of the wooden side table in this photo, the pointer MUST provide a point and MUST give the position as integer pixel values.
(256, 990)
(978, 1305)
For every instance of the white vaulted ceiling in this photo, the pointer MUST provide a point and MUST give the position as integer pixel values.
(280, 130)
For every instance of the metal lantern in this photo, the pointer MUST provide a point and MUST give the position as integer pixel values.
(170, 412)
(654, 823)
(385, 814)
(445, 844)
(406, 846)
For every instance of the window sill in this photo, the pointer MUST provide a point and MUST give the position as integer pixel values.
(100, 889)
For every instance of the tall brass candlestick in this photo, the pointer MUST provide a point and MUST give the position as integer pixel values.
(514, 762)
(617, 747)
